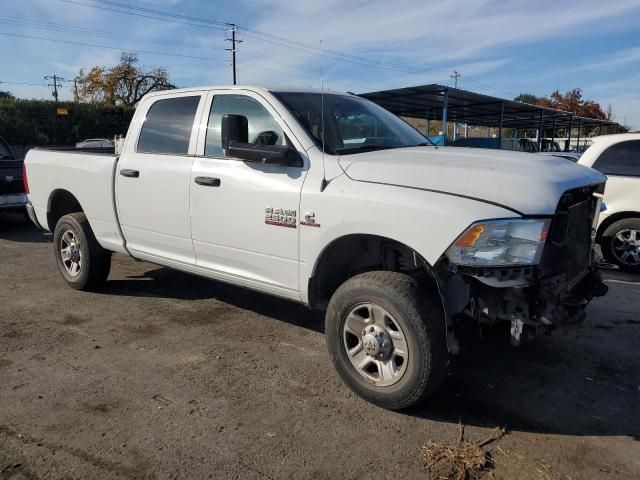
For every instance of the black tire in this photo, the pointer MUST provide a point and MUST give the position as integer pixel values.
(608, 242)
(418, 311)
(95, 260)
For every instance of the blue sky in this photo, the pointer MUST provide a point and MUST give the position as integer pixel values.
(500, 47)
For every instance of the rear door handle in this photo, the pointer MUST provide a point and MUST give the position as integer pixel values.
(208, 181)
(129, 173)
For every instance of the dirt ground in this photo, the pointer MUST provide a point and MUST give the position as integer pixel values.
(166, 375)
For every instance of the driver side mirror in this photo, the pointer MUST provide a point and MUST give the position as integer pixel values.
(235, 128)
(235, 143)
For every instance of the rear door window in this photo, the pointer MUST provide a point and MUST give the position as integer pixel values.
(620, 159)
(167, 127)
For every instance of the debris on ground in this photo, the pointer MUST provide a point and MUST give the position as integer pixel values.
(462, 460)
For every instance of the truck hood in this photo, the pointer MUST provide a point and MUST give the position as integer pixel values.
(522, 182)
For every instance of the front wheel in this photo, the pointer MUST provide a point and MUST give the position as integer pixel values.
(621, 244)
(82, 262)
(386, 337)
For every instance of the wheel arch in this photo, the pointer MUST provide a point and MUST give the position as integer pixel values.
(611, 219)
(352, 254)
(60, 203)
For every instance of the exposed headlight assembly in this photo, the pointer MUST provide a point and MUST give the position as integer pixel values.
(500, 243)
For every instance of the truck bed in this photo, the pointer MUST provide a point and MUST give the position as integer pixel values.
(86, 175)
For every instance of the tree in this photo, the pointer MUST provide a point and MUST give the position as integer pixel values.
(529, 98)
(570, 101)
(6, 95)
(123, 84)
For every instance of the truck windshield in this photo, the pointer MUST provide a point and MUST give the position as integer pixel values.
(352, 124)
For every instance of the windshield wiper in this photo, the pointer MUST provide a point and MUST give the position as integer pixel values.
(365, 148)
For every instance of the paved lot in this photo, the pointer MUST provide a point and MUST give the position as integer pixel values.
(165, 375)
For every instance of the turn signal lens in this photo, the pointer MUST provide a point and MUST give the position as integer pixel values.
(469, 238)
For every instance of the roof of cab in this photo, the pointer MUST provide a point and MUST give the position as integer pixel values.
(255, 88)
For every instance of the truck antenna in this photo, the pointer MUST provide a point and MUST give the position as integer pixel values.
(323, 185)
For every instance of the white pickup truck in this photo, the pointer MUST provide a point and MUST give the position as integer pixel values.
(329, 200)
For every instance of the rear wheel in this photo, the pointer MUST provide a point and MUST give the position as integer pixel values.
(82, 262)
(386, 337)
(621, 244)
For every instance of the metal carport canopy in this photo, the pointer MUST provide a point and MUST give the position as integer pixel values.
(462, 106)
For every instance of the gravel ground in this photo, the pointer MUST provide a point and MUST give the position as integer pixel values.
(166, 375)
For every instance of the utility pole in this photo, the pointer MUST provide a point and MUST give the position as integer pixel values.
(233, 50)
(57, 83)
(456, 75)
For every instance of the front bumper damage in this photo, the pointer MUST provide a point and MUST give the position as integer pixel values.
(537, 306)
(533, 299)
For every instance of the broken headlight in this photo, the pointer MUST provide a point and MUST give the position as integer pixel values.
(500, 243)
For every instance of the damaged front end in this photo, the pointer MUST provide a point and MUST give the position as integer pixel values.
(551, 291)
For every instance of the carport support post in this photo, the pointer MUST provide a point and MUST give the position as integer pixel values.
(567, 148)
(578, 142)
(600, 130)
(426, 125)
(445, 107)
(500, 125)
(553, 131)
(540, 130)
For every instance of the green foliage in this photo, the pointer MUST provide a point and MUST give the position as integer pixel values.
(36, 122)
(527, 98)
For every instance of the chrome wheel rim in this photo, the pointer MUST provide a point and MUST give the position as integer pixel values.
(626, 247)
(375, 344)
(70, 253)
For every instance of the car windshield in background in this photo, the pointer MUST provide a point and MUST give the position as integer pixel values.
(352, 124)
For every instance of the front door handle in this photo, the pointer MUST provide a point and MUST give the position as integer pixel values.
(208, 181)
(129, 173)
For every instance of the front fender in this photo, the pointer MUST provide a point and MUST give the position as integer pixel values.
(427, 222)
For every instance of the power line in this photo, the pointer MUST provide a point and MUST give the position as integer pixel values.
(65, 28)
(143, 15)
(164, 13)
(484, 85)
(207, 23)
(20, 22)
(30, 84)
(69, 42)
(147, 52)
(256, 34)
